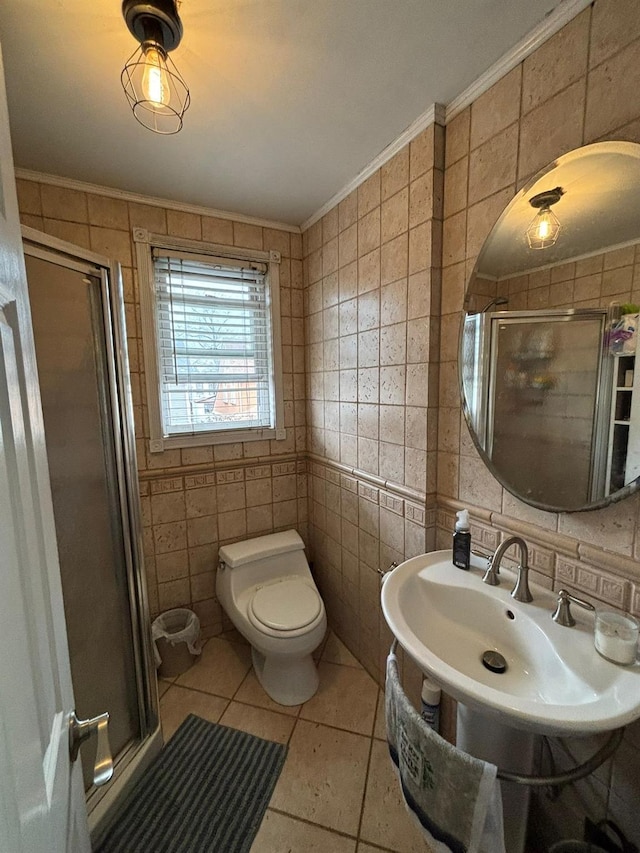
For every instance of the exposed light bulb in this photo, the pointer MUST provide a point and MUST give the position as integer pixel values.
(544, 225)
(153, 86)
(155, 80)
(543, 231)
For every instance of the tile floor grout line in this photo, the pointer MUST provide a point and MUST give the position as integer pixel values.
(375, 846)
(313, 823)
(246, 675)
(366, 788)
(223, 713)
(296, 720)
(261, 707)
(355, 665)
(340, 728)
(288, 717)
(233, 699)
(297, 817)
(288, 743)
(296, 716)
(381, 708)
(334, 728)
(204, 692)
(343, 665)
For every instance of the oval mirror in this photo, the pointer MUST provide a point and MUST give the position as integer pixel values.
(548, 373)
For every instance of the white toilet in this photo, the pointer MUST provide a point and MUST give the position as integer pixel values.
(266, 589)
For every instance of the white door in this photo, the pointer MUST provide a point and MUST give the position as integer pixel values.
(42, 808)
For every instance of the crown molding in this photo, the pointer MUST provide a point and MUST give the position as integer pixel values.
(434, 115)
(438, 114)
(138, 198)
(566, 11)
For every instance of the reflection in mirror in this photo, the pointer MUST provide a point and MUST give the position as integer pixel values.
(547, 353)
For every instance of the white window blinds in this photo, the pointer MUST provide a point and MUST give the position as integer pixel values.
(214, 343)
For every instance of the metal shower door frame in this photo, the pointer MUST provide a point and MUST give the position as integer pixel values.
(604, 378)
(45, 247)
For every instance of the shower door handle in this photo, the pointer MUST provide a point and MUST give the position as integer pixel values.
(79, 731)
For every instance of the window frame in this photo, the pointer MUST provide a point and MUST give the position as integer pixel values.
(145, 242)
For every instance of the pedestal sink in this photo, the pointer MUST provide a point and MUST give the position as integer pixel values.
(555, 683)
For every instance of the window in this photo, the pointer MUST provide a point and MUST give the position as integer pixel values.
(211, 335)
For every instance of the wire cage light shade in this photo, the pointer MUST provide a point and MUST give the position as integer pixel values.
(154, 87)
(545, 227)
(544, 230)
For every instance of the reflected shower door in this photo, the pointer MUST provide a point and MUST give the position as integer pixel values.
(69, 330)
(545, 386)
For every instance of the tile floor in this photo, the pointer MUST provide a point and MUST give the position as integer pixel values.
(337, 792)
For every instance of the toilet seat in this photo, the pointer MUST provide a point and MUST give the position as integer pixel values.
(288, 604)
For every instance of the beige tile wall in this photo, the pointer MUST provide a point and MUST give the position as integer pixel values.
(579, 87)
(372, 295)
(377, 324)
(195, 499)
(609, 538)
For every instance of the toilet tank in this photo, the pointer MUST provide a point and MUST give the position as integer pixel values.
(264, 558)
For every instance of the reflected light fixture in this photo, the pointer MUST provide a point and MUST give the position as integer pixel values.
(154, 87)
(543, 231)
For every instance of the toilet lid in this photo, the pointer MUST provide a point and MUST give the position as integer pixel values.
(286, 605)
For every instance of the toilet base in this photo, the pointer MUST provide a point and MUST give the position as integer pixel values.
(287, 680)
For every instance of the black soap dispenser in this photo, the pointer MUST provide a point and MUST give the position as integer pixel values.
(462, 541)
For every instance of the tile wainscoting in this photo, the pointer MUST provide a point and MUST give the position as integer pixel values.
(556, 560)
(360, 524)
(190, 511)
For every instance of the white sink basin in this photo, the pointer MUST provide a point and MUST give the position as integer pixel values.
(555, 681)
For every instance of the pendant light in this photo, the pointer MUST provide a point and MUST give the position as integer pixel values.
(154, 87)
(545, 227)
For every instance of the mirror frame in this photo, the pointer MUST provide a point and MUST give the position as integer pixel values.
(625, 492)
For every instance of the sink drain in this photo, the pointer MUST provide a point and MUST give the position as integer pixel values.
(494, 661)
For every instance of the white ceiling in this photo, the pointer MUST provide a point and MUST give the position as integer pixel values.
(290, 98)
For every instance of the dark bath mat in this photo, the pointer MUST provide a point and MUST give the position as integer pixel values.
(206, 792)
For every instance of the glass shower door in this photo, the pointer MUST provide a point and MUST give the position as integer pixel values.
(546, 380)
(81, 435)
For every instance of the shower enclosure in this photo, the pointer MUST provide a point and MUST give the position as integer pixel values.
(537, 387)
(78, 323)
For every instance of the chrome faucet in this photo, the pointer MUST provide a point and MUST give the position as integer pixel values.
(521, 591)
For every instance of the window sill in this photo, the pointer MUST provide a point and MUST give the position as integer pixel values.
(205, 439)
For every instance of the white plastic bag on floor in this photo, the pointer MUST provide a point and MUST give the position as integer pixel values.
(177, 626)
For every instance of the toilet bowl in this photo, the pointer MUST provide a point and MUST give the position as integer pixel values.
(266, 588)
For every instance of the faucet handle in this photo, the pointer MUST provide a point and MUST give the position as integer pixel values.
(491, 573)
(487, 557)
(562, 613)
(384, 573)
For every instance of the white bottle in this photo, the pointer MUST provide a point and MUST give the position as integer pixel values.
(431, 694)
